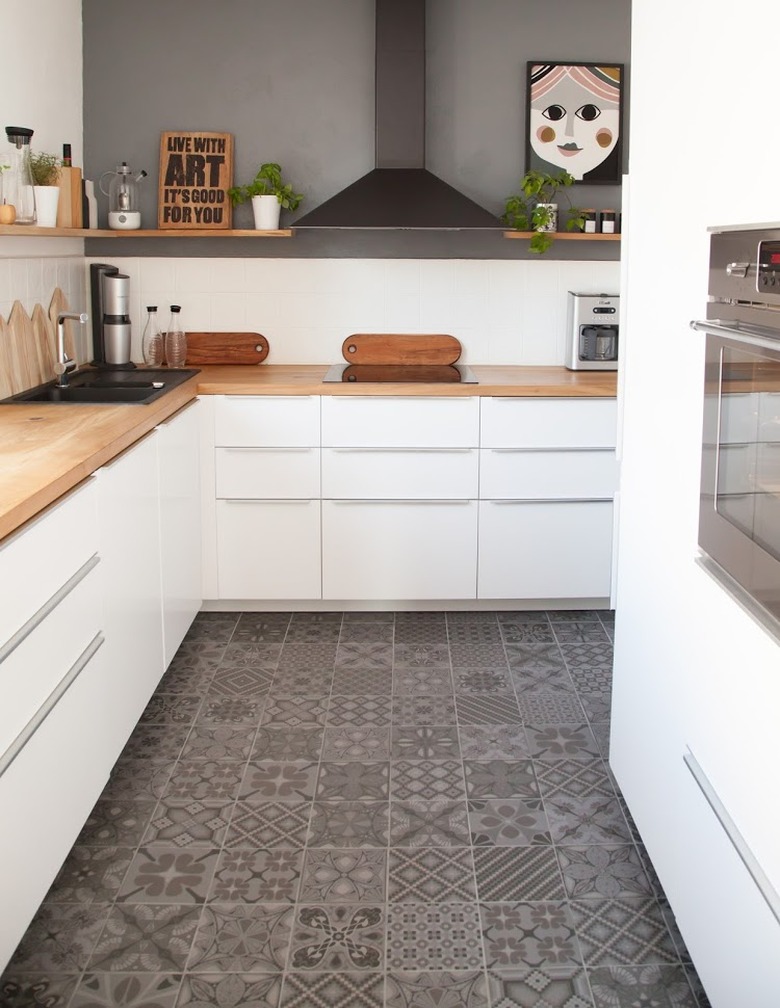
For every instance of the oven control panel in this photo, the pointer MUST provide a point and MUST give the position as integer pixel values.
(768, 267)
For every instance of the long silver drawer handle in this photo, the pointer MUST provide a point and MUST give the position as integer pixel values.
(402, 398)
(48, 607)
(269, 500)
(257, 448)
(584, 450)
(550, 500)
(410, 451)
(391, 500)
(731, 830)
(50, 703)
(259, 396)
(752, 335)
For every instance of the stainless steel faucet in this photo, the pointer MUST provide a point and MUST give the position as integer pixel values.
(64, 364)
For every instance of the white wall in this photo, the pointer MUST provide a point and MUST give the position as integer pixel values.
(691, 668)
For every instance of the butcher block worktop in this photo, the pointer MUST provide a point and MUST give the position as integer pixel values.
(46, 450)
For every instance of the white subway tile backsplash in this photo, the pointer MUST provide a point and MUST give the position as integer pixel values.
(228, 313)
(402, 276)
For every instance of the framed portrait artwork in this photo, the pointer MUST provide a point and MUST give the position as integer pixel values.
(574, 116)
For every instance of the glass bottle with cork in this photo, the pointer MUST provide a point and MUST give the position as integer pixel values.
(152, 339)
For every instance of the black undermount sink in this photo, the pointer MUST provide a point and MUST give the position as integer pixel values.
(107, 388)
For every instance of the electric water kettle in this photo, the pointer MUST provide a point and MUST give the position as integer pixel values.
(122, 192)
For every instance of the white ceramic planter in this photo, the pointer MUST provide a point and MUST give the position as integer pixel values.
(46, 200)
(266, 210)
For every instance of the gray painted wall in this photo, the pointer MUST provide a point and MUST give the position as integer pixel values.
(294, 83)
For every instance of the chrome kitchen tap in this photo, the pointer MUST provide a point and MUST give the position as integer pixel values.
(63, 364)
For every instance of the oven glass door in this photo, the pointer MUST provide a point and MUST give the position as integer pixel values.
(739, 526)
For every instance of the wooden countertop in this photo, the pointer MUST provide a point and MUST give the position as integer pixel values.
(46, 450)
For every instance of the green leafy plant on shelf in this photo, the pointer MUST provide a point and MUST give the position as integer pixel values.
(45, 168)
(267, 182)
(525, 210)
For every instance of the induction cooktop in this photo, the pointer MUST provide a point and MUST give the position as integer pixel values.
(447, 374)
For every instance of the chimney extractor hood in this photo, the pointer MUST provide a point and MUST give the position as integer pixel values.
(400, 192)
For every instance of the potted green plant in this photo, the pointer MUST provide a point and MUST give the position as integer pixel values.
(269, 195)
(45, 170)
(535, 208)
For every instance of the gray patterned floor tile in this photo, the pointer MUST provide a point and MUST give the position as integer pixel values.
(571, 778)
(427, 779)
(270, 824)
(233, 990)
(219, 709)
(189, 822)
(435, 823)
(360, 710)
(194, 663)
(431, 875)
(574, 615)
(626, 986)
(365, 632)
(349, 824)
(517, 873)
(312, 655)
(166, 874)
(261, 628)
(243, 654)
(156, 742)
(418, 656)
(523, 934)
(603, 870)
(550, 708)
(500, 779)
(314, 989)
(241, 682)
(218, 742)
(314, 627)
(304, 681)
(116, 823)
(508, 822)
(439, 936)
(422, 709)
(128, 990)
(90, 875)
(353, 655)
(352, 742)
(541, 680)
(271, 780)
(408, 681)
(483, 654)
(241, 938)
(425, 742)
(338, 936)
(553, 742)
(464, 989)
(171, 708)
(493, 709)
(294, 711)
(601, 733)
(143, 938)
(597, 706)
(574, 631)
(526, 655)
(358, 681)
(474, 633)
(493, 741)
(587, 654)
(526, 632)
(213, 780)
(28, 990)
(595, 820)
(256, 876)
(344, 876)
(212, 626)
(543, 987)
(137, 780)
(622, 932)
(482, 680)
(60, 939)
(286, 744)
(421, 634)
(354, 780)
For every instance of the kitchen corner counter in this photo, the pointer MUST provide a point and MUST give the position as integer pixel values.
(46, 450)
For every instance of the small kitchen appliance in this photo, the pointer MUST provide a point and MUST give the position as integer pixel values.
(592, 326)
(122, 192)
(739, 508)
(110, 292)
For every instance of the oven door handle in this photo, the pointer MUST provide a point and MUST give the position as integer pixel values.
(758, 336)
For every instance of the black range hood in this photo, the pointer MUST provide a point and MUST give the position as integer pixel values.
(400, 192)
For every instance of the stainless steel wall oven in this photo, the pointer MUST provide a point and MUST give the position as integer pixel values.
(739, 514)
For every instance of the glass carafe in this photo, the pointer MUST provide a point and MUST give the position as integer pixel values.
(175, 340)
(18, 179)
(152, 340)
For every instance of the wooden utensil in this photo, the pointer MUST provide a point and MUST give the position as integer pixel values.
(401, 348)
(226, 348)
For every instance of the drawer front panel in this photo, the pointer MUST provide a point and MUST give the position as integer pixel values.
(267, 472)
(38, 560)
(396, 422)
(263, 421)
(539, 475)
(399, 473)
(548, 423)
(399, 550)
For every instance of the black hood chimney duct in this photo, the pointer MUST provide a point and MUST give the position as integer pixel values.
(400, 192)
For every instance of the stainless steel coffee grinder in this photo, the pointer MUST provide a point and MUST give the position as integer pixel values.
(110, 292)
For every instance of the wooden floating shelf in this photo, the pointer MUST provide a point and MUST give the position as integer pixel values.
(32, 231)
(565, 235)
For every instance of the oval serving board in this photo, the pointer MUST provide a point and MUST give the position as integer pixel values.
(401, 348)
(226, 348)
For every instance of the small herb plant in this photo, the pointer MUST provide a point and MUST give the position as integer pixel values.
(523, 212)
(267, 182)
(45, 168)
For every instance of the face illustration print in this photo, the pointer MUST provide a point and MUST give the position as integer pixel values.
(575, 115)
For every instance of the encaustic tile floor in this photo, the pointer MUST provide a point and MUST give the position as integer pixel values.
(356, 810)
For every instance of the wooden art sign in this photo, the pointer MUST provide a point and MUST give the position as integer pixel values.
(196, 171)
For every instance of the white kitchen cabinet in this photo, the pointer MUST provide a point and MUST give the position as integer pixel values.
(178, 462)
(129, 523)
(266, 492)
(399, 486)
(54, 684)
(547, 482)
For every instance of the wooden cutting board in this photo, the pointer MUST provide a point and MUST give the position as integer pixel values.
(401, 348)
(226, 348)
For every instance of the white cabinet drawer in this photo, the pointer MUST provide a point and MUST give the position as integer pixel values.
(397, 422)
(399, 550)
(400, 473)
(38, 559)
(528, 475)
(267, 472)
(548, 423)
(261, 421)
(541, 550)
(33, 669)
(269, 549)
